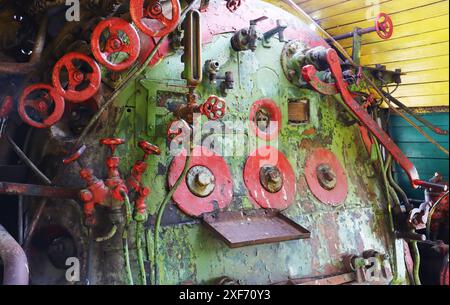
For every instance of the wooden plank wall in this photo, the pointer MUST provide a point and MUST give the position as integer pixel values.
(419, 45)
(427, 158)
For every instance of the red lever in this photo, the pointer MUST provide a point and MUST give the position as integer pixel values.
(112, 143)
(145, 17)
(149, 149)
(75, 156)
(335, 67)
(310, 76)
(6, 107)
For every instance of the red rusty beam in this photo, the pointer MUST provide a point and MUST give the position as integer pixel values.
(12, 188)
(335, 67)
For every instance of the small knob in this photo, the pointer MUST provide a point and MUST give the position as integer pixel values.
(112, 143)
(149, 149)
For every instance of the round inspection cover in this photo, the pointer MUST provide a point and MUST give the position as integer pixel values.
(336, 192)
(267, 156)
(219, 198)
(271, 112)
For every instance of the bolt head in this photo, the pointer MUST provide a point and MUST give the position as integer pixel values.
(326, 176)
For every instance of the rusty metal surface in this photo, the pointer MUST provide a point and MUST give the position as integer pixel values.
(244, 228)
(187, 250)
(10, 188)
(265, 119)
(340, 279)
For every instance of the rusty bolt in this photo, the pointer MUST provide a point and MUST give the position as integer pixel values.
(271, 178)
(326, 176)
(200, 181)
(262, 119)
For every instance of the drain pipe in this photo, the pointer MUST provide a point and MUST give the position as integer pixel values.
(15, 270)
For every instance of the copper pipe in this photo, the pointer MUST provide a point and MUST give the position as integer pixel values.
(15, 270)
(35, 58)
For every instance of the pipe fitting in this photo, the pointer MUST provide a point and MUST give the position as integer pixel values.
(15, 270)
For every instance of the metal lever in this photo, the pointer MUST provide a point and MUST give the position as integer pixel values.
(333, 61)
(245, 39)
(281, 26)
(431, 185)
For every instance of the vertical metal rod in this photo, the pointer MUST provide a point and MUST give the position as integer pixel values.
(20, 220)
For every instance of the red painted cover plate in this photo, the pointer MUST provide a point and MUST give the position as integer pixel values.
(267, 155)
(274, 115)
(337, 195)
(223, 191)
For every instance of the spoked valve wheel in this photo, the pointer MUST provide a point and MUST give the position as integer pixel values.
(40, 106)
(150, 16)
(76, 77)
(384, 26)
(115, 44)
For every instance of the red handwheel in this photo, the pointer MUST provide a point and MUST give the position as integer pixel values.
(40, 106)
(121, 38)
(384, 26)
(150, 16)
(76, 77)
(214, 108)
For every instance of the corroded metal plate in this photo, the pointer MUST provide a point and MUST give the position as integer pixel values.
(338, 193)
(243, 228)
(219, 198)
(273, 114)
(269, 156)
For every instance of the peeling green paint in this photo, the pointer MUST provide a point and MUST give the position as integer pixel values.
(189, 252)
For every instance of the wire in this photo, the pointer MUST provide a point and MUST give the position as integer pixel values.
(430, 214)
(126, 252)
(416, 262)
(161, 212)
(139, 252)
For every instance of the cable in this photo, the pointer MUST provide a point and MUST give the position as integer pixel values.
(126, 252)
(430, 214)
(162, 208)
(139, 252)
(416, 262)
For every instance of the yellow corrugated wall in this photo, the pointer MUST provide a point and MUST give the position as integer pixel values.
(419, 45)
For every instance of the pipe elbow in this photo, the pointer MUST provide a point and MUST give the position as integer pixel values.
(15, 270)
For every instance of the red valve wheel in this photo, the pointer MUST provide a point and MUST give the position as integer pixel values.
(122, 38)
(384, 26)
(214, 108)
(147, 17)
(40, 106)
(83, 77)
(233, 5)
(149, 148)
(112, 143)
